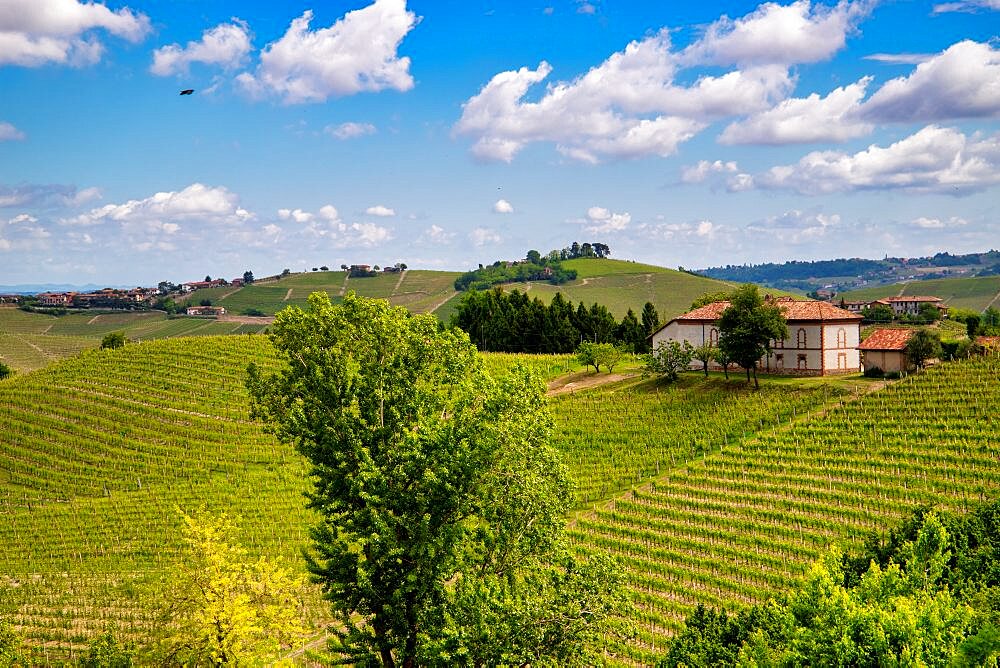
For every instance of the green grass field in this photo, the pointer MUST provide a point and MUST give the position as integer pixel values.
(618, 284)
(971, 293)
(30, 341)
(733, 492)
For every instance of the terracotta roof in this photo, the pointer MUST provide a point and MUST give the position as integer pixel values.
(886, 339)
(913, 298)
(988, 341)
(792, 309)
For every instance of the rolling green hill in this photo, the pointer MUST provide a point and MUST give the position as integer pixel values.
(972, 293)
(29, 341)
(747, 487)
(618, 284)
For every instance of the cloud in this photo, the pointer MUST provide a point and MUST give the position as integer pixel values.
(349, 130)
(961, 82)
(329, 213)
(358, 53)
(482, 236)
(934, 159)
(197, 203)
(966, 6)
(795, 227)
(22, 233)
(779, 34)
(226, 45)
(436, 235)
(900, 58)
(698, 173)
(937, 223)
(601, 220)
(45, 195)
(503, 206)
(626, 107)
(9, 133)
(381, 211)
(36, 32)
(805, 120)
(298, 215)
(584, 7)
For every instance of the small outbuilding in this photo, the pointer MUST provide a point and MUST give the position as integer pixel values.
(886, 350)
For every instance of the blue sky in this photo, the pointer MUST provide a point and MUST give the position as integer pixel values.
(444, 134)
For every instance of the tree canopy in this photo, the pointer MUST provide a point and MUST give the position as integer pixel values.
(924, 345)
(442, 505)
(747, 327)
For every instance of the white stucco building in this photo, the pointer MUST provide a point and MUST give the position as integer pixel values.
(822, 339)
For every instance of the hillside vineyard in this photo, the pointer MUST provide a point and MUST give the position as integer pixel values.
(734, 492)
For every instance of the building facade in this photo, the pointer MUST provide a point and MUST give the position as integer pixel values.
(822, 339)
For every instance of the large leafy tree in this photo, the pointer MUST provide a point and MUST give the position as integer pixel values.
(441, 504)
(747, 327)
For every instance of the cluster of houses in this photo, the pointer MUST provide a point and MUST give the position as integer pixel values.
(106, 296)
(902, 305)
(823, 339)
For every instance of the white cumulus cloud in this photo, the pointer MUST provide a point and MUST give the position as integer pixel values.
(9, 133)
(226, 45)
(803, 120)
(36, 32)
(349, 130)
(934, 159)
(801, 32)
(701, 171)
(381, 211)
(601, 220)
(628, 106)
(197, 202)
(503, 206)
(435, 234)
(357, 53)
(961, 82)
(298, 215)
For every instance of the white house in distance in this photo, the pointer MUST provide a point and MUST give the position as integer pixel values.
(822, 339)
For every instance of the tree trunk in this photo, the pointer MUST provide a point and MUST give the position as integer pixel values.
(384, 648)
(748, 375)
(756, 385)
(705, 364)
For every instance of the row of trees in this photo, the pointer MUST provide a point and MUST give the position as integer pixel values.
(534, 267)
(500, 321)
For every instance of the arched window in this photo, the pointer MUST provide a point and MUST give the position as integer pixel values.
(801, 337)
(713, 337)
(841, 338)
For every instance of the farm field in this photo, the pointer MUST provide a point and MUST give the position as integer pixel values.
(707, 492)
(737, 526)
(618, 284)
(972, 293)
(30, 341)
(420, 291)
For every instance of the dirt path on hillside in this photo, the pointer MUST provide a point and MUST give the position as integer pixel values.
(995, 300)
(441, 303)
(402, 275)
(94, 319)
(46, 330)
(343, 287)
(247, 319)
(583, 380)
(288, 295)
(32, 345)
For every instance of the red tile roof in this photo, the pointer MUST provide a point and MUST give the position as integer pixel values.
(886, 339)
(913, 298)
(988, 341)
(792, 309)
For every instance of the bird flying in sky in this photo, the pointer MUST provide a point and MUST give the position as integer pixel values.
(187, 91)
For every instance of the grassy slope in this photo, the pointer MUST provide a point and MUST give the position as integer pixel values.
(29, 341)
(973, 293)
(747, 499)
